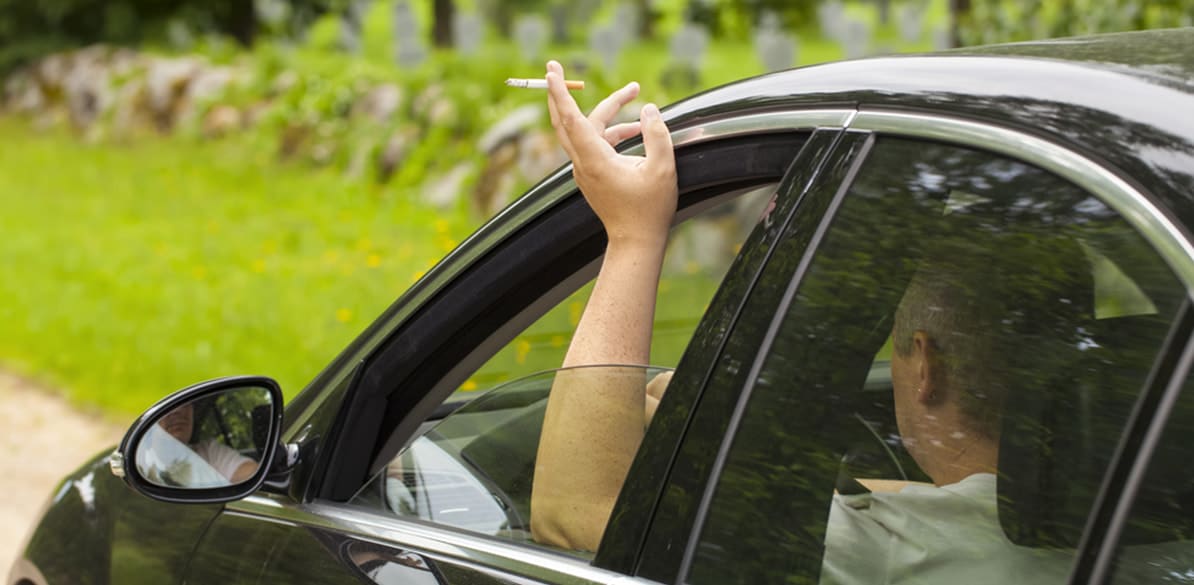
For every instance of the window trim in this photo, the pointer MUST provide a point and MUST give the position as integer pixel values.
(1133, 204)
(1136, 206)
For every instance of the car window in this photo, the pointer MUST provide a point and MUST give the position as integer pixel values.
(698, 254)
(947, 384)
(1157, 543)
(473, 469)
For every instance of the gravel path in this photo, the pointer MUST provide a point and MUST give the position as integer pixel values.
(44, 438)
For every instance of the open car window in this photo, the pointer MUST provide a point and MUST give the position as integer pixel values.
(473, 470)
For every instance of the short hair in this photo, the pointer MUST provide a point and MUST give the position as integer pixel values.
(1000, 319)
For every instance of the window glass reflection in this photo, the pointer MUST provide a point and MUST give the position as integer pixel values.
(208, 442)
(947, 387)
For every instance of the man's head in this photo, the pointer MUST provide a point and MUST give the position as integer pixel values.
(180, 422)
(971, 331)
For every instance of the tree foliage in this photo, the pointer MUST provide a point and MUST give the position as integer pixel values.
(995, 21)
(31, 29)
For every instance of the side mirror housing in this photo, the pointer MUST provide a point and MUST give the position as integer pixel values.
(209, 443)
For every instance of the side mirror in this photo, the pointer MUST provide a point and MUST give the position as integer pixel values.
(209, 443)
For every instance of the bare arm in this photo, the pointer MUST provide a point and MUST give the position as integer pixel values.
(594, 424)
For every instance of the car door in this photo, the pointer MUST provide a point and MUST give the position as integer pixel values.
(1072, 320)
(319, 528)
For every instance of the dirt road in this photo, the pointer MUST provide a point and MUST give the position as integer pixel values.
(43, 439)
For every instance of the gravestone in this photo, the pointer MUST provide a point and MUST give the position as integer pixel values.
(687, 51)
(911, 19)
(941, 39)
(468, 29)
(606, 42)
(179, 34)
(409, 51)
(775, 48)
(350, 26)
(560, 23)
(856, 38)
(627, 21)
(530, 31)
(832, 18)
(272, 14)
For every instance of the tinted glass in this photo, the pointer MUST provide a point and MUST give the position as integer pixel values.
(947, 384)
(1157, 545)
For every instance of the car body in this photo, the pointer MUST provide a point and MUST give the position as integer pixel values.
(1090, 136)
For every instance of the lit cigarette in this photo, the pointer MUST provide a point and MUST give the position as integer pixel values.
(542, 83)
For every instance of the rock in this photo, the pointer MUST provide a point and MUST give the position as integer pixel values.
(495, 187)
(394, 152)
(380, 103)
(539, 153)
(444, 190)
(166, 83)
(511, 126)
(22, 94)
(222, 120)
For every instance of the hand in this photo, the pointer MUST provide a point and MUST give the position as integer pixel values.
(655, 390)
(634, 196)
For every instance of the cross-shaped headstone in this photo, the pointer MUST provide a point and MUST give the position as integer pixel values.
(688, 45)
(627, 21)
(911, 19)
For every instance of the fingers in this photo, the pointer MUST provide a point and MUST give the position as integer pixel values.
(615, 134)
(658, 385)
(554, 110)
(657, 140)
(605, 111)
(582, 140)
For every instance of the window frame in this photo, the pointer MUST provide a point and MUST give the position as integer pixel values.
(1175, 357)
(368, 373)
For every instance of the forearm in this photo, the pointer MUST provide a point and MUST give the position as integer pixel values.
(616, 325)
(594, 420)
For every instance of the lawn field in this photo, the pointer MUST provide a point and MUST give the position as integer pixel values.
(131, 271)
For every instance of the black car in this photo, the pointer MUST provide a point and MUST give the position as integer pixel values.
(1063, 171)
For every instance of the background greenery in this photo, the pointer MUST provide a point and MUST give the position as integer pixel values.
(137, 264)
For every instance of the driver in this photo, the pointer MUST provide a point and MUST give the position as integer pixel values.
(226, 461)
(591, 433)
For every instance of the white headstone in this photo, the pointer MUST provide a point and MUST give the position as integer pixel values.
(606, 42)
(409, 50)
(776, 49)
(627, 21)
(350, 26)
(530, 31)
(832, 18)
(941, 39)
(467, 32)
(857, 38)
(688, 45)
(911, 19)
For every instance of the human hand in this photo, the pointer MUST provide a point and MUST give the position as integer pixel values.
(634, 196)
(655, 390)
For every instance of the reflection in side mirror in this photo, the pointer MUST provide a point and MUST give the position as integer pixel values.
(212, 442)
(205, 443)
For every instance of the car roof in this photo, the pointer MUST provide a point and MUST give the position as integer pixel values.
(1123, 99)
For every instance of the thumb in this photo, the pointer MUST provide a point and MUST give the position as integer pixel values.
(657, 140)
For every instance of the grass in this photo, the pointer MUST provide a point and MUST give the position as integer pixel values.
(131, 271)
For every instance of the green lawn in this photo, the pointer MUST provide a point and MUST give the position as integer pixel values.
(131, 271)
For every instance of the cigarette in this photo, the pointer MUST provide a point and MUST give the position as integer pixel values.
(542, 83)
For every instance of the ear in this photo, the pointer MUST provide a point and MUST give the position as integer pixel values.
(928, 368)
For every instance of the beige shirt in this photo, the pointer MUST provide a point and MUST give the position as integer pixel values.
(929, 535)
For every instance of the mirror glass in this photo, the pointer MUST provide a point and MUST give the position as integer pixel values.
(212, 441)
